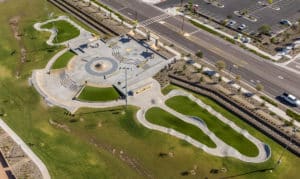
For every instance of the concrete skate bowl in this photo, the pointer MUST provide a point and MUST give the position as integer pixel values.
(101, 66)
(268, 151)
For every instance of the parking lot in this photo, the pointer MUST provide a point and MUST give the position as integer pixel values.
(259, 10)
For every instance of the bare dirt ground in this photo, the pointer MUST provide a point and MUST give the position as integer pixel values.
(14, 24)
(2, 171)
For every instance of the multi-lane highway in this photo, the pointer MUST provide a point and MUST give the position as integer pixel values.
(252, 68)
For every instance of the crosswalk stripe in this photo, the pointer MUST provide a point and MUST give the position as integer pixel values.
(154, 19)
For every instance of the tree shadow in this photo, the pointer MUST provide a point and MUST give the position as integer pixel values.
(250, 172)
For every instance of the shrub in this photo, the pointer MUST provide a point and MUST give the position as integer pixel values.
(269, 100)
(293, 115)
(199, 54)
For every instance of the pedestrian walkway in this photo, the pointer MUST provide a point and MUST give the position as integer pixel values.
(222, 149)
(38, 27)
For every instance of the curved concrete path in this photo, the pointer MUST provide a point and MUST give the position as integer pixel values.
(222, 148)
(54, 58)
(38, 27)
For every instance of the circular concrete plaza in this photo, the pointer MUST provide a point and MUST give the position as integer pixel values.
(101, 66)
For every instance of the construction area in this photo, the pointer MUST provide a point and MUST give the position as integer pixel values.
(14, 162)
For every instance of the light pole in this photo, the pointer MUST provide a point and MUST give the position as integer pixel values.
(126, 88)
(182, 25)
(281, 155)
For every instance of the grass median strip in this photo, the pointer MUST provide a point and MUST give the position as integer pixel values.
(269, 100)
(185, 106)
(160, 117)
(293, 115)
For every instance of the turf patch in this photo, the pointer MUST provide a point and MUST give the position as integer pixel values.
(222, 130)
(66, 31)
(63, 60)
(160, 117)
(90, 93)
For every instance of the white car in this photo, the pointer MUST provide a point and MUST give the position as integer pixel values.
(245, 40)
(291, 99)
(285, 22)
(242, 27)
(290, 46)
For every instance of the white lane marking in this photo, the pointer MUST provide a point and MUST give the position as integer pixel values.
(194, 32)
(280, 77)
(122, 8)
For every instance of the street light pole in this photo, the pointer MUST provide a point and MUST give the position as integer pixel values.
(126, 88)
(281, 155)
(182, 25)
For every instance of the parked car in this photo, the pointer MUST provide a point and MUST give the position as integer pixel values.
(231, 23)
(285, 22)
(245, 39)
(290, 46)
(291, 99)
(242, 27)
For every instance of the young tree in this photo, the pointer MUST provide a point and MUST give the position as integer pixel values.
(264, 29)
(190, 4)
(199, 54)
(220, 65)
(201, 80)
(220, 79)
(239, 90)
(238, 78)
(259, 87)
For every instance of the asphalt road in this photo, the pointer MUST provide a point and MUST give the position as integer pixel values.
(252, 68)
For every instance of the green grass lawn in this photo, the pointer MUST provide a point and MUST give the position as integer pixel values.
(74, 154)
(169, 88)
(185, 106)
(90, 93)
(160, 117)
(63, 60)
(66, 31)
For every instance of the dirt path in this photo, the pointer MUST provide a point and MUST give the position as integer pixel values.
(14, 25)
